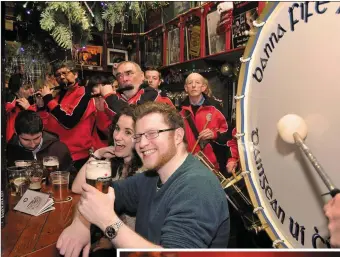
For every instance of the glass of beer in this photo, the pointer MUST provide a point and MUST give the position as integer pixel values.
(18, 180)
(98, 175)
(51, 164)
(60, 181)
(23, 163)
(35, 174)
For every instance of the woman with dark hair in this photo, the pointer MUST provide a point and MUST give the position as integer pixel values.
(124, 161)
(121, 150)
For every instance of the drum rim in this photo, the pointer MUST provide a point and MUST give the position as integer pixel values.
(272, 232)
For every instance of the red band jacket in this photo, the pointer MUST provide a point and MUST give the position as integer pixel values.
(218, 125)
(71, 115)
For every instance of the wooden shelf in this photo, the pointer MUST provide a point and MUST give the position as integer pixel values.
(232, 55)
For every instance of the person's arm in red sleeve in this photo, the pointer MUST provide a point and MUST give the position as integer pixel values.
(232, 144)
(68, 120)
(113, 104)
(9, 106)
(103, 121)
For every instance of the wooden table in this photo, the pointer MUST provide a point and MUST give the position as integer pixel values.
(26, 235)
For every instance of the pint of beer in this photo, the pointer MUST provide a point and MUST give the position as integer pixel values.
(60, 181)
(98, 175)
(51, 164)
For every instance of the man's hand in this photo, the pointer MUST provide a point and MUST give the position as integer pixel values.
(105, 152)
(73, 239)
(45, 90)
(99, 102)
(106, 89)
(206, 134)
(39, 101)
(97, 207)
(332, 211)
(231, 166)
(23, 102)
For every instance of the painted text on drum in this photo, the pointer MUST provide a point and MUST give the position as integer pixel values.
(305, 13)
(296, 230)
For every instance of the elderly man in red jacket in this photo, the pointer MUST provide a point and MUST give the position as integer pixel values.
(205, 124)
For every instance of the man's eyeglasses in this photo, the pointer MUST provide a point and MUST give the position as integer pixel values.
(126, 74)
(64, 73)
(151, 134)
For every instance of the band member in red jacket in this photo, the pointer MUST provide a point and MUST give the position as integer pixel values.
(153, 77)
(130, 80)
(101, 87)
(18, 98)
(208, 124)
(71, 114)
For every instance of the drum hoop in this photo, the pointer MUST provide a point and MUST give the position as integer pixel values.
(272, 232)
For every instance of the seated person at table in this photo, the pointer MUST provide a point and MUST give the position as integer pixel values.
(179, 202)
(31, 142)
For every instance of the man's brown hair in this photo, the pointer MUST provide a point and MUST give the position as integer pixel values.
(171, 116)
(150, 68)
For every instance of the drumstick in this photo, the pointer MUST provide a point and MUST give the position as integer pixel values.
(293, 129)
(208, 119)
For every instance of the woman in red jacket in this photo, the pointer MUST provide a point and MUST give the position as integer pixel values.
(18, 98)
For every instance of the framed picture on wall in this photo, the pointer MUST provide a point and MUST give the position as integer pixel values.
(89, 55)
(216, 41)
(173, 46)
(116, 56)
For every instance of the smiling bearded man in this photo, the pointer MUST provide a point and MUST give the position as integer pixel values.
(178, 204)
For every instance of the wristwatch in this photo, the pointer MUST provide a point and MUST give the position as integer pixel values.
(112, 230)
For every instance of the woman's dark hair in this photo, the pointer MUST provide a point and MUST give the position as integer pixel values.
(15, 82)
(96, 80)
(136, 162)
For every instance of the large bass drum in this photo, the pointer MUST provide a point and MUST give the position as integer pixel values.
(291, 65)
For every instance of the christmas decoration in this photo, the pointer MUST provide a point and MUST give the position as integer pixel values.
(62, 18)
(26, 59)
(227, 70)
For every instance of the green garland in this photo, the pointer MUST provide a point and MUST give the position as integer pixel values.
(67, 21)
(59, 18)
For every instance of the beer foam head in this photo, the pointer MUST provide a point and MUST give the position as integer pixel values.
(51, 163)
(23, 163)
(98, 169)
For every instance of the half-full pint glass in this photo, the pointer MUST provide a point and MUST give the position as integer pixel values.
(60, 181)
(98, 175)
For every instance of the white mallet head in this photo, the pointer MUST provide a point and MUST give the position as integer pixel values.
(289, 124)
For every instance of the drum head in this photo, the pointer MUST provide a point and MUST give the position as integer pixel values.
(294, 69)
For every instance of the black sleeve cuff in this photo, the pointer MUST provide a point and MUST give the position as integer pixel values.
(47, 98)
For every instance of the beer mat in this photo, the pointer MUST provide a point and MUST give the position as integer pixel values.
(68, 199)
(35, 203)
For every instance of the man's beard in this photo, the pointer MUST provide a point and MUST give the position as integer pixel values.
(165, 157)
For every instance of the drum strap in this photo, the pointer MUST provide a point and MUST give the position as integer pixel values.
(202, 143)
